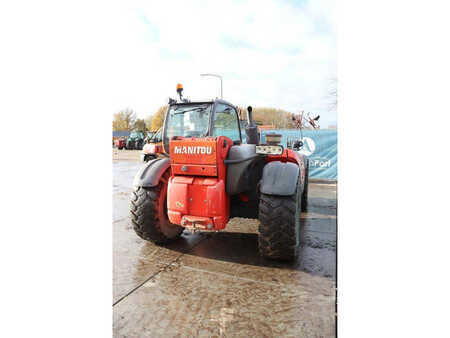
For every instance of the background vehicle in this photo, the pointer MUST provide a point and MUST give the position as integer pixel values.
(120, 143)
(208, 175)
(135, 140)
(149, 136)
(153, 147)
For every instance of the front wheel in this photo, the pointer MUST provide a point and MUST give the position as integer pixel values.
(148, 213)
(279, 229)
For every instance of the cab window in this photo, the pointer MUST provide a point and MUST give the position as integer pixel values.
(226, 122)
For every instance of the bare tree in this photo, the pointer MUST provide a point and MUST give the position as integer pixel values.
(124, 119)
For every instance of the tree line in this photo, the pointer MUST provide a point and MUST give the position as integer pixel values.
(127, 120)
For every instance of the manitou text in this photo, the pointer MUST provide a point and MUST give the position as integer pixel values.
(193, 150)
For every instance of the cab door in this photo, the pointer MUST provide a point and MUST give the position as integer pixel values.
(226, 123)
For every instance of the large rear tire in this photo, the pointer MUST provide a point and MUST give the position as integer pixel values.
(279, 229)
(148, 213)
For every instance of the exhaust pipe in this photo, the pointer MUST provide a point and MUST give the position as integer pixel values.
(251, 132)
(251, 123)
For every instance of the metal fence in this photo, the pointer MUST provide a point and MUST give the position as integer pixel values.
(320, 146)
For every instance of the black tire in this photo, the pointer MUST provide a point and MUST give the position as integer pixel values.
(148, 213)
(305, 189)
(279, 229)
(120, 148)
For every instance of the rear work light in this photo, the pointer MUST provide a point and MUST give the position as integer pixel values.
(269, 150)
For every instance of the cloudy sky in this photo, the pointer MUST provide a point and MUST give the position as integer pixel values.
(279, 54)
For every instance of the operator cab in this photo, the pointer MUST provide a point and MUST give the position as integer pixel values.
(202, 119)
(217, 118)
(206, 119)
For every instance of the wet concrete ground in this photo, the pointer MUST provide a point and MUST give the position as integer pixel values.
(216, 284)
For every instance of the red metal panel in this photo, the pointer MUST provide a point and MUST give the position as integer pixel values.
(183, 179)
(202, 198)
(209, 181)
(193, 151)
(194, 169)
(196, 195)
(177, 196)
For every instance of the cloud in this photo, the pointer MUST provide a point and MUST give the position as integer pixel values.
(270, 53)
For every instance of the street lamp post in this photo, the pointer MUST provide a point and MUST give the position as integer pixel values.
(221, 82)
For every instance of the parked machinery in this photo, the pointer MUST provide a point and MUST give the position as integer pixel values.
(205, 175)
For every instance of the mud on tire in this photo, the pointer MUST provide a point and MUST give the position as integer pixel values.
(149, 215)
(279, 229)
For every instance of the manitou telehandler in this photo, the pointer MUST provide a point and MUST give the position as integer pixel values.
(205, 175)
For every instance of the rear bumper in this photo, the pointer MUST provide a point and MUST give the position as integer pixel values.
(198, 202)
(198, 222)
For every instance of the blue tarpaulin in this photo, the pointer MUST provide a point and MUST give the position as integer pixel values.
(320, 146)
(121, 133)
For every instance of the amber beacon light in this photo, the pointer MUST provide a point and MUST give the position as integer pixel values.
(180, 90)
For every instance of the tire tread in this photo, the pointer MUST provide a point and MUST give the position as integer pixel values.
(278, 233)
(144, 206)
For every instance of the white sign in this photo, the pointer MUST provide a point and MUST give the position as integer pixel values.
(319, 163)
(308, 146)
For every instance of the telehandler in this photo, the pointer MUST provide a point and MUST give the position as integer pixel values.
(205, 175)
